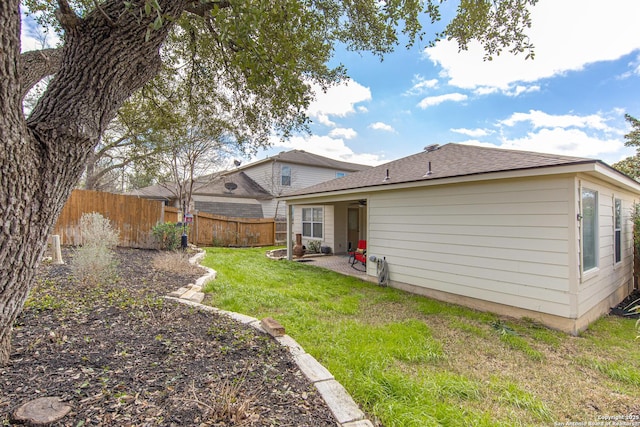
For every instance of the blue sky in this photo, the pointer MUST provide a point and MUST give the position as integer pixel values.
(571, 99)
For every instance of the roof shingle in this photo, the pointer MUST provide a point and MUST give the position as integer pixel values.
(447, 161)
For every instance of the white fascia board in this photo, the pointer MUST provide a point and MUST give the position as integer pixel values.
(616, 178)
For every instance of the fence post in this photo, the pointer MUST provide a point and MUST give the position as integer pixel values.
(196, 220)
(56, 252)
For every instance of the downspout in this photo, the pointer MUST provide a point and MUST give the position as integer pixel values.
(289, 210)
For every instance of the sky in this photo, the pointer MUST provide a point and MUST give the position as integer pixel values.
(571, 99)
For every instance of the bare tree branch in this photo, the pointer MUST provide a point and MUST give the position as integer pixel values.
(66, 16)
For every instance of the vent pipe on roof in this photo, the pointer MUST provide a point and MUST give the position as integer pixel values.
(429, 172)
(432, 147)
(386, 178)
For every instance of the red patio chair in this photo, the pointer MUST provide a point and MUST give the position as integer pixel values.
(360, 254)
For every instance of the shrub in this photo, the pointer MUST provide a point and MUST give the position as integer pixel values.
(97, 230)
(175, 262)
(168, 235)
(93, 262)
(314, 246)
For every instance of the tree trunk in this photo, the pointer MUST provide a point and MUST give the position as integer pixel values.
(104, 60)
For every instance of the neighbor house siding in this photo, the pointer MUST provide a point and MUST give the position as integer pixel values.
(303, 176)
(268, 176)
(609, 277)
(271, 208)
(261, 174)
(502, 241)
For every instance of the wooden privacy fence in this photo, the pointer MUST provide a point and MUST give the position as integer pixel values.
(135, 218)
(132, 216)
(217, 230)
(281, 232)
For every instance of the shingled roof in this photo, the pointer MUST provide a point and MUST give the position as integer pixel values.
(447, 161)
(301, 157)
(210, 185)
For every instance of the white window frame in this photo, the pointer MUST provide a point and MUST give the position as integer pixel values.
(285, 182)
(313, 222)
(589, 221)
(617, 231)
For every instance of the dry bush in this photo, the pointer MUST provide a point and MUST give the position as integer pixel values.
(97, 230)
(173, 261)
(226, 404)
(94, 261)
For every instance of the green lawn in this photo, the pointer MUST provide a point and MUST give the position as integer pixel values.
(412, 361)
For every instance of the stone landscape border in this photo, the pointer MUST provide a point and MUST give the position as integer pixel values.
(341, 404)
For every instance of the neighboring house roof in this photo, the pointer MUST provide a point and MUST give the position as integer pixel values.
(303, 158)
(457, 161)
(210, 185)
(158, 191)
(242, 210)
(219, 185)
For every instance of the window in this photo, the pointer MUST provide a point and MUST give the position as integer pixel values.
(589, 229)
(340, 174)
(286, 175)
(617, 230)
(312, 222)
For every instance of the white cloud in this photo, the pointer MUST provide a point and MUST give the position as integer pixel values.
(485, 90)
(570, 142)
(334, 148)
(337, 101)
(570, 135)
(381, 126)
(634, 69)
(430, 101)
(540, 119)
(473, 132)
(520, 89)
(421, 85)
(33, 37)
(566, 142)
(343, 133)
(567, 35)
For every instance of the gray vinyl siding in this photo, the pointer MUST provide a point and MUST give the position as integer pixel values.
(267, 175)
(261, 174)
(302, 176)
(504, 241)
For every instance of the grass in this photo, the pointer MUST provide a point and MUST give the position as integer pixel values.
(412, 361)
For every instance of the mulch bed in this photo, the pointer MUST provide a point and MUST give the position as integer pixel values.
(121, 355)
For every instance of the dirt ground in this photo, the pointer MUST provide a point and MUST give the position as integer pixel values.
(121, 355)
